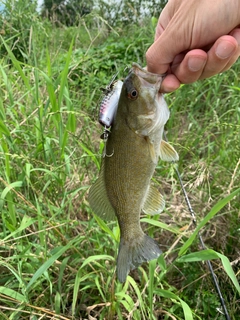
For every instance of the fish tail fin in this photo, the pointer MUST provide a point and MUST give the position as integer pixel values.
(134, 252)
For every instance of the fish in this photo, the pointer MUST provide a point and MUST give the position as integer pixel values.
(124, 189)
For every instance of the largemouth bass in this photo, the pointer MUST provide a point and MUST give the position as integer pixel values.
(133, 148)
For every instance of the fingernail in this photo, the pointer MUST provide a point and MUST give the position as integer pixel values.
(224, 50)
(195, 63)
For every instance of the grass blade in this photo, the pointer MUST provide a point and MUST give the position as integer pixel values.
(25, 223)
(91, 154)
(170, 295)
(160, 225)
(47, 265)
(104, 227)
(208, 217)
(209, 255)
(4, 129)
(17, 65)
(13, 294)
(96, 258)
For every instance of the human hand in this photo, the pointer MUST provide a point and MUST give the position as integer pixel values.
(195, 40)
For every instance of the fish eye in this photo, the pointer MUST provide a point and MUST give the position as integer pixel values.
(133, 94)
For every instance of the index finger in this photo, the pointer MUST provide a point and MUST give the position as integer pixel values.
(161, 53)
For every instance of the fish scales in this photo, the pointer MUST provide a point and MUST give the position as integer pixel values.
(128, 173)
(124, 189)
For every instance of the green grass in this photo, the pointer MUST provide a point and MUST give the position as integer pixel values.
(57, 259)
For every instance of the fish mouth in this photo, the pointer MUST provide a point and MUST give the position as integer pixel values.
(148, 79)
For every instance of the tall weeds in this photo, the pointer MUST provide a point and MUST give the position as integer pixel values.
(58, 258)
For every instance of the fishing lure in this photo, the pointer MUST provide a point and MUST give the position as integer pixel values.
(109, 104)
(108, 108)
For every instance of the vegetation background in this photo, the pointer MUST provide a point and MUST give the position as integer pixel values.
(57, 259)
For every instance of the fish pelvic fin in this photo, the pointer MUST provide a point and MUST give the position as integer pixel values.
(167, 152)
(134, 252)
(98, 198)
(154, 202)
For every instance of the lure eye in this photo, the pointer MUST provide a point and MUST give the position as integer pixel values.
(133, 94)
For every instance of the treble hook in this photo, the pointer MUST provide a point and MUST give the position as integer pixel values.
(105, 136)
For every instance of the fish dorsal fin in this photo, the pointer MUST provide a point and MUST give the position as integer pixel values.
(98, 198)
(154, 202)
(167, 152)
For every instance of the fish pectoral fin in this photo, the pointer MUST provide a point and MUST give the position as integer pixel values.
(151, 149)
(152, 152)
(98, 199)
(167, 152)
(154, 202)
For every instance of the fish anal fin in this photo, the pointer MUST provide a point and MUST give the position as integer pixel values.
(167, 152)
(133, 253)
(98, 199)
(154, 202)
